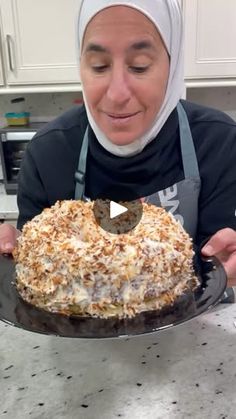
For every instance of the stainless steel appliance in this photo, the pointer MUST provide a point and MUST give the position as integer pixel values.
(13, 143)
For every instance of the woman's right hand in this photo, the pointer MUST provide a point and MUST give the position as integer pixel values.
(8, 237)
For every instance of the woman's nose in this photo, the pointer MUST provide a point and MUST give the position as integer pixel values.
(118, 90)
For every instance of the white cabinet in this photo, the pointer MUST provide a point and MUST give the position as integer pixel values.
(210, 39)
(39, 41)
(39, 51)
(1, 71)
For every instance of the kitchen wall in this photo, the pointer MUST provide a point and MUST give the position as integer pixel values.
(223, 98)
(42, 106)
(45, 106)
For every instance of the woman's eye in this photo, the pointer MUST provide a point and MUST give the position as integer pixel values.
(99, 68)
(139, 69)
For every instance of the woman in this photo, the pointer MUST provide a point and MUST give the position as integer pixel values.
(134, 138)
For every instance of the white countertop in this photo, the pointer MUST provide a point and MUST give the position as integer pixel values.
(8, 205)
(185, 372)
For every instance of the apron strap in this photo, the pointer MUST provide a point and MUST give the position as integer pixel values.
(189, 158)
(81, 170)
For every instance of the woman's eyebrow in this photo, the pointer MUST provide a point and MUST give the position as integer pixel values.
(137, 46)
(95, 48)
(142, 45)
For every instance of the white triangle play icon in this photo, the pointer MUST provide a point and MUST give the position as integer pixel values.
(116, 209)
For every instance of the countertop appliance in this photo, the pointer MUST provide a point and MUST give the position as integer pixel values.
(13, 143)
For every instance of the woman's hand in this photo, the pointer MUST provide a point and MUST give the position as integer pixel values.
(223, 246)
(8, 237)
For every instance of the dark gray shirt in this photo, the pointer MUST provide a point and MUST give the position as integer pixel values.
(47, 173)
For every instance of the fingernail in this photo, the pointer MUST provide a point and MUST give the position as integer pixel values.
(7, 247)
(208, 250)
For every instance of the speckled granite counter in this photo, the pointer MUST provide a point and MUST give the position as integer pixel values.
(187, 371)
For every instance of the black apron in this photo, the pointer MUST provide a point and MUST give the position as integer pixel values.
(181, 199)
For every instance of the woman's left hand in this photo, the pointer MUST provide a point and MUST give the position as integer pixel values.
(223, 246)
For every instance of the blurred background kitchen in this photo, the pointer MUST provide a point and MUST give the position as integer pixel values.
(185, 372)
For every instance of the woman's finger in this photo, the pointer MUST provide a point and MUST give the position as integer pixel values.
(223, 239)
(230, 266)
(8, 237)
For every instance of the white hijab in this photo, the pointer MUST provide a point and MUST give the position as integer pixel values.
(166, 16)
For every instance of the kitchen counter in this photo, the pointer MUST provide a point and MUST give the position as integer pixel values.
(186, 371)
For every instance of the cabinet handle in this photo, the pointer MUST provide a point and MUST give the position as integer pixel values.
(9, 51)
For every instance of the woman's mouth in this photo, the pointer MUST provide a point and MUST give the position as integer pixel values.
(121, 119)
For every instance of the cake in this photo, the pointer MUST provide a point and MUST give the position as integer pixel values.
(66, 263)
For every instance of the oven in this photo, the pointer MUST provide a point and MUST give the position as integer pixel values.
(13, 143)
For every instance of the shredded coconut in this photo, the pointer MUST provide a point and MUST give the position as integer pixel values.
(67, 263)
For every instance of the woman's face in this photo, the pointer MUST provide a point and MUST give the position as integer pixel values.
(124, 71)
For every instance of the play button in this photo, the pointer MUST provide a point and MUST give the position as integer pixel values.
(116, 209)
(117, 217)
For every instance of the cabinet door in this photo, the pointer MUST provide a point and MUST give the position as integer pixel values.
(210, 38)
(1, 71)
(39, 41)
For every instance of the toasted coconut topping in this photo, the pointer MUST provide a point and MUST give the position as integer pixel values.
(67, 263)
